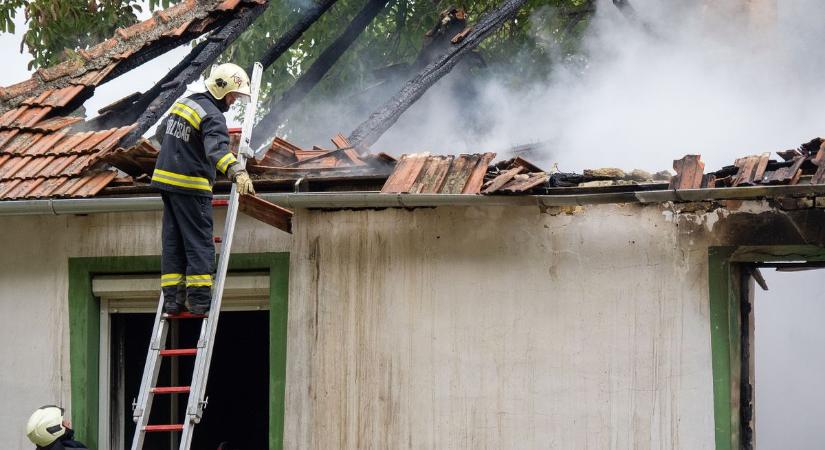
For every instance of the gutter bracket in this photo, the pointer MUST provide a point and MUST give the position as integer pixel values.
(400, 200)
(51, 206)
(677, 196)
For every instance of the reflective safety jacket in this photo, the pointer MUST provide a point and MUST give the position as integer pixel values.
(194, 143)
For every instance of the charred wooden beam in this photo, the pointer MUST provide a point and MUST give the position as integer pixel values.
(129, 109)
(386, 116)
(279, 109)
(309, 17)
(216, 43)
(630, 14)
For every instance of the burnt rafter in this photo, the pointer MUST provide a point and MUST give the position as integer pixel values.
(170, 91)
(279, 109)
(309, 17)
(629, 12)
(385, 117)
(127, 110)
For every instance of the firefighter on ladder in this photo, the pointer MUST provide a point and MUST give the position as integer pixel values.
(194, 145)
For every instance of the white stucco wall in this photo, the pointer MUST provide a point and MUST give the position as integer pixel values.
(446, 328)
(498, 328)
(34, 337)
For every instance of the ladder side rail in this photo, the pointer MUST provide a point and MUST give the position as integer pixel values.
(151, 368)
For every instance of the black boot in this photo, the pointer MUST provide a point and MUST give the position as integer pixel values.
(200, 299)
(176, 306)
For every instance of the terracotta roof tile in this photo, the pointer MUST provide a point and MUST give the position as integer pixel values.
(68, 145)
(111, 140)
(94, 77)
(93, 183)
(61, 70)
(425, 173)
(48, 186)
(7, 186)
(7, 135)
(18, 89)
(46, 144)
(60, 166)
(23, 188)
(24, 116)
(56, 123)
(21, 143)
(13, 165)
(33, 167)
(91, 143)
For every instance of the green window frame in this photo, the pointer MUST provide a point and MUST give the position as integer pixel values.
(725, 326)
(84, 332)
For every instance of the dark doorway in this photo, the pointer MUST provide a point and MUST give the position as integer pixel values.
(238, 387)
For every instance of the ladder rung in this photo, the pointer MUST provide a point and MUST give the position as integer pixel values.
(179, 352)
(170, 390)
(220, 202)
(184, 315)
(157, 428)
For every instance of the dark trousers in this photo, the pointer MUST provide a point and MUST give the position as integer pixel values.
(188, 256)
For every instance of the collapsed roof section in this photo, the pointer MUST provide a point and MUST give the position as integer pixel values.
(43, 152)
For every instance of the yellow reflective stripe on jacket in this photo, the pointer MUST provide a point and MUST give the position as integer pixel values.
(226, 161)
(198, 116)
(191, 117)
(171, 279)
(199, 280)
(176, 179)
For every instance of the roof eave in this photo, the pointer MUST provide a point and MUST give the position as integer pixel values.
(350, 200)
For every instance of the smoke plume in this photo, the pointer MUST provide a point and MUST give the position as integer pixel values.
(685, 77)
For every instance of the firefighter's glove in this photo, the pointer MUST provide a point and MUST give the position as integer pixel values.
(244, 183)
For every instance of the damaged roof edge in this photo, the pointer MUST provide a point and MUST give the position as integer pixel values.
(378, 200)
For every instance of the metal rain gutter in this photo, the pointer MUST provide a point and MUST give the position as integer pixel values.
(339, 200)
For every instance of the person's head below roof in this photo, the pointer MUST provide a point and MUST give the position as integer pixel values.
(46, 425)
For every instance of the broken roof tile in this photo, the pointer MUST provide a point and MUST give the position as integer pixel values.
(525, 182)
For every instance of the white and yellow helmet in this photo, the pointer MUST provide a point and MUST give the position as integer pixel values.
(227, 78)
(45, 425)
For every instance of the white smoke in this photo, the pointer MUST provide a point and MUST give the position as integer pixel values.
(706, 80)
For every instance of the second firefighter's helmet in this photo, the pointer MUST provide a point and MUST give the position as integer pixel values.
(227, 78)
(45, 425)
